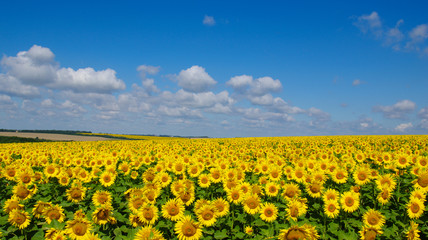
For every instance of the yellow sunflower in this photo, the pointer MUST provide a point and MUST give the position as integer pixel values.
(53, 212)
(361, 176)
(148, 232)
(386, 181)
(330, 195)
(370, 233)
(331, 208)
(107, 178)
(39, 208)
(402, 160)
(413, 232)
(207, 215)
(314, 189)
(415, 208)
(384, 196)
(204, 180)
(340, 176)
(290, 191)
(136, 202)
(64, 179)
(103, 214)
(249, 230)
(268, 212)
(101, 198)
(19, 218)
(173, 209)
(11, 204)
(22, 192)
(350, 201)
(188, 229)
(306, 232)
(148, 214)
(296, 208)
(222, 206)
(272, 189)
(373, 219)
(252, 204)
(76, 193)
(78, 229)
(235, 195)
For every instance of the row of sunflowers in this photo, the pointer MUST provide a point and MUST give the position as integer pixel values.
(335, 187)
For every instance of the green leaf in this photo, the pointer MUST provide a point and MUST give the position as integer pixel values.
(240, 235)
(39, 235)
(221, 235)
(117, 232)
(333, 227)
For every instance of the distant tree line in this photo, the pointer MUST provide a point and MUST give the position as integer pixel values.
(70, 132)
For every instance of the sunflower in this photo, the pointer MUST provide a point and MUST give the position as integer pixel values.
(76, 193)
(222, 206)
(370, 233)
(268, 212)
(386, 181)
(187, 196)
(19, 218)
(361, 176)
(402, 161)
(384, 196)
(340, 176)
(10, 172)
(173, 209)
(298, 174)
(101, 198)
(107, 178)
(148, 214)
(63, 179)
(93, 236)
(249, 230)
(135, 220)
(413, 232)
(53, 212)
(415, 208)
(373, 219)
(306, 232)
(422, 181)
(350, 201)
(207, 215)
(149, 232)
(272, 189)
(330, 195)
(418, 193)
(290, 191)
(204, 180)
(22, 192)
(314, 189)
(275, 174)
(252, 204)
(216, 175)
(103, 215)
(12, 204)
(188, 229)
(296, 208)
(78, 229)
(60, 235)
(331, 208)
(51, 170)
(235, 195)
(134, 174)
(25, 176)
(39, 208)
(245, 187)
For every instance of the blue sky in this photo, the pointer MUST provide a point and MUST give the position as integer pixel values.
(215, 68)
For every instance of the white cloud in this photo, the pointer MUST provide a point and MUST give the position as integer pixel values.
(419, 33)
(195, 79)
(11, 85)
(246, 85)
(356, 82)
(208, 20)
(370, 23)
(396, 111)
(240, 83)
(178, 112)
(266, 99)
(88, 80)
(147, 69)
(403, 127)
(318, 114)
(47, 103)
(423, 113)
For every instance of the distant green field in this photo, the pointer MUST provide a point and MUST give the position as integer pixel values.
(5, 139)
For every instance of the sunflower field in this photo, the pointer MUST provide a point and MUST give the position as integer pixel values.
(333, 187)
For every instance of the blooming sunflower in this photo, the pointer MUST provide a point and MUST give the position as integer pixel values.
(331, 208)
(413, 232)
(415, 208)
(136, 203)
(187, 196)
(384, 196)
(24, 176)
(222, 206)
(386, 181)
(296, 208)
(272, 189)
(173, 209)
(330, 195)
(402, 160)
(39, 208)
(340, 176)
(422, 181)
(64, 179)
(101, 198)
(76, 193)
(249, 230)
(268, 212)
(107, 178)
(188, 229)
(53, 212)
(22, 192)
(78, 228)
(19, 218)
(207, 215)
(103, 214)
(148, 232)
(235, 195)
(306, 232)
(314, 189)
(252, 204)
(373, 219)
(370, 233)
(204, 180)
(350, 201)
(11, 204)
(418, 193)
(361, 176)
(290, 191)
(148, 214)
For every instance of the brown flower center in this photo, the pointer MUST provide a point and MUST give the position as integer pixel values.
(80, 229)
(294, 211)
(349, 201)
(414, 208)
(423, 180)
(331, 208)
(370, 235)
(188, 229)
(295, 234)
(268, 212)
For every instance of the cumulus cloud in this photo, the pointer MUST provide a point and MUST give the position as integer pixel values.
(195, 79)
(240, 83)
(403, 127)
(12, 86)
(417, 36)
(147, 70)
(208, 20)
(370, 24)
(423, 113)
(261, 86)
(396, 111)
